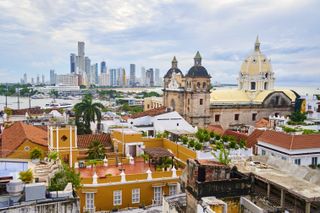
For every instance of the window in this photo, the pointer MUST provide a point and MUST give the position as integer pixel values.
(297, 161)
(204, 85)
(198, 85)
(188, 101)
(265, 85)
(64, 138)
(172, 189)
(263, 152)
(253, 85)
(254, 116)
(157, 195)
(117, 198)
(135, 195)
(148, 106)
(27, 148)
(201, 101)
(283, 158)
(216, 118)
(90, 202)
(236, 117)
(314, 161)
(277, 100)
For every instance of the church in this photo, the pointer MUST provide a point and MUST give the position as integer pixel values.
(192, 97)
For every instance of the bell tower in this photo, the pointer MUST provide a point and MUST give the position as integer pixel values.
(197, 94)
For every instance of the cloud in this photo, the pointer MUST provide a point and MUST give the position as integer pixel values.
(38, 35)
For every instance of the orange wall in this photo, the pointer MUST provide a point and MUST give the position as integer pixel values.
(127, 137)
(104, 194)
(21, 153)
(179, 151)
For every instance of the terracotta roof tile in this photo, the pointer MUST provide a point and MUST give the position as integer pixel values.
(31, 111)
(17, 133)
(151, 112)
(216, 129)
(290, 142)
(252, 138)
(85, 140)
(238, 135)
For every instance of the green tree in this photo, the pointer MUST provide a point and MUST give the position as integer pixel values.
(96, 150)
(298, 116)
(223, 156)
(26, 176)
(85, 112)
(36, 154)
(54, 94)
(64, 176)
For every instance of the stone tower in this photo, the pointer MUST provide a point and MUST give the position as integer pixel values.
(173, 90)
(197, 94)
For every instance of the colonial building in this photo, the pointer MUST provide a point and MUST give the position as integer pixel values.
(254, 98)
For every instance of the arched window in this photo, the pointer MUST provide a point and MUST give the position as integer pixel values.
(265, 85)
(173, 104)
(204, 85)
(253, 85)
(198, 85)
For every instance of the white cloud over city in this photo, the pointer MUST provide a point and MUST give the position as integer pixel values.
(38, 35)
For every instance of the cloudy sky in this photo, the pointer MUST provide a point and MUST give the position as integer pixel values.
(39, 35)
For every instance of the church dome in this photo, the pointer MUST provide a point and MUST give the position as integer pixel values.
(197, 70)
(173, 69)
(256, 63)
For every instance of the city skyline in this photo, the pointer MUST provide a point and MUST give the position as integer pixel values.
(40, 38)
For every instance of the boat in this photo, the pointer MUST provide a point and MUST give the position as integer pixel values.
(55, 105)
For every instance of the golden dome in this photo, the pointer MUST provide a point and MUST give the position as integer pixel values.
(256, 63)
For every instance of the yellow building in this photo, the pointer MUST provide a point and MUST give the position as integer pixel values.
(20, 139)
(63, 139)
(126, 181)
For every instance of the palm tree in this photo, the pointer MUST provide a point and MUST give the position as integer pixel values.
(96, 150)
(87, 112)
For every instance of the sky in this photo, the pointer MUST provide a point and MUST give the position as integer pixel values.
(39, 35)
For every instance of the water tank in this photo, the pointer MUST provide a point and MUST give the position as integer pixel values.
(15, 187)
(35, 191)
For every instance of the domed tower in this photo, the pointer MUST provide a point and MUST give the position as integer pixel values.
(173, 90)
(256, 72)
(197, 94)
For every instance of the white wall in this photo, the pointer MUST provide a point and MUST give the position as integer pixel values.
(171, 121)
(290, 155)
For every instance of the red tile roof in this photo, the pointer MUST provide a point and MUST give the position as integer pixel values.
(31, 111)
(151, 112)
(216, 129)
(262, 123)
(17, 133)
(290, 142)
(238, 135)
(85, 140)
(252, 138)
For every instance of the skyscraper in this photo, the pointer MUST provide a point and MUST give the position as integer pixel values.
(38, 79)
(81, 60)
(52, 77)
(43, 80)
(87, 70)
(25, 79)
(113, 77)
(121, 77)
(73, 63)
(143, 76)
(94, 75)
(150, 77)
(132, 78)
(103, 67)
(157, 77)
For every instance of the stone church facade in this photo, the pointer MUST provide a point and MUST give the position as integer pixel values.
(191, 95)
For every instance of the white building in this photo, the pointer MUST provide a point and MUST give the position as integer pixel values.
(104, 79)
(297, 149)
(312, 107)
(159, 120)
(67, 80)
